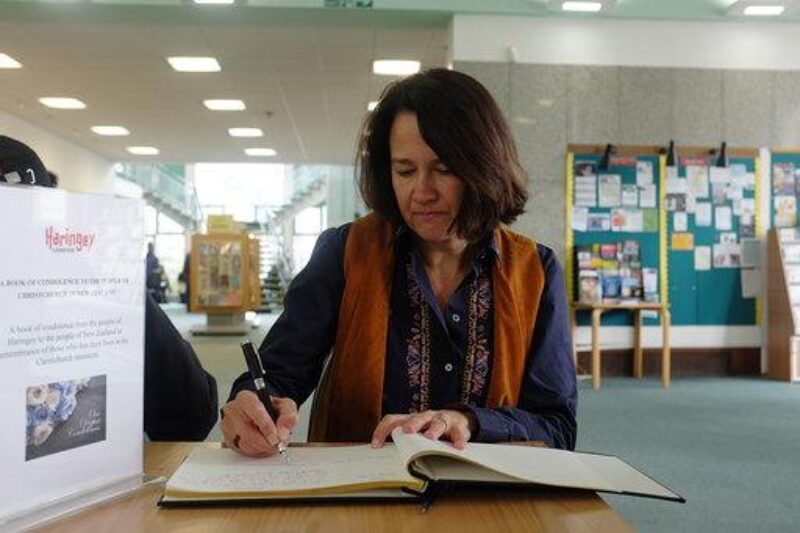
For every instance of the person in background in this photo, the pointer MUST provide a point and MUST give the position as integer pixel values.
(441, 320)
(185, 277)
(154, 275)
(180, 397)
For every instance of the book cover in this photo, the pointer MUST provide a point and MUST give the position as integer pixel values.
(611, 286)
(608, 251)
(590, 289)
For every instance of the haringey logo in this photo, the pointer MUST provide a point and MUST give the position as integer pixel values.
(68, 240)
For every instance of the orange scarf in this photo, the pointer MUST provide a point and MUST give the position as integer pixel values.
(347, 406)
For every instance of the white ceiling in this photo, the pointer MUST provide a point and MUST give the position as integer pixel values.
(306, 85)
(304, 72)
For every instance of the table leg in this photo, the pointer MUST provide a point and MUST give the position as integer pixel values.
(666, 360)
(637, 344)
(596, 314)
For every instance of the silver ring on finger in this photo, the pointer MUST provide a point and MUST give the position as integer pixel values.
(443, 420)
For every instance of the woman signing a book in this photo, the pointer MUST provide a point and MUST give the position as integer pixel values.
(438, 318)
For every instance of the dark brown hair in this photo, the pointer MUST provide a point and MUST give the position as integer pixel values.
(464, 126)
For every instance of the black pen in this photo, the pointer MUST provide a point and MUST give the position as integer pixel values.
(257, 373)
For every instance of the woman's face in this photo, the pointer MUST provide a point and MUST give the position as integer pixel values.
(429, 196)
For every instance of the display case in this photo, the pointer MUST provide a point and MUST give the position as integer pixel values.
(224, 273)
(783, 337)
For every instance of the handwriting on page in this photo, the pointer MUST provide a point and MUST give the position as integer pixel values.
(262, 479)
(308, 468)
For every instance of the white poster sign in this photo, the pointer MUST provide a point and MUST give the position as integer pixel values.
(71, 345)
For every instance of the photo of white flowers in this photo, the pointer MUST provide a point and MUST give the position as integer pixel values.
(64, 415)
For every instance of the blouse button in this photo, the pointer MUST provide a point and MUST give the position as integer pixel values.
(456, 318)
(448, 367)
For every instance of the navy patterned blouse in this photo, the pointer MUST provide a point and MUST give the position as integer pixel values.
(436, 357)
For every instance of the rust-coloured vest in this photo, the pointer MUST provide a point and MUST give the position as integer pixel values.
(347, 406)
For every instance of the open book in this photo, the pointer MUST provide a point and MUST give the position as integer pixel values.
(406, 468)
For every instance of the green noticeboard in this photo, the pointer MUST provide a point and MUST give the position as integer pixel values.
(709, 211)
(614, 205)
(693, 234)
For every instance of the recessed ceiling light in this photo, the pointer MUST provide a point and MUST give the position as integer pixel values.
(395, 67)
(6, 61)
(260, 152)
(214, 1)
(194, 64)
(245, 132)
(372, 105)
(764, 10)
(61, 102)
(143, 150)
(582, 7)
(224, 105)
(111, 131)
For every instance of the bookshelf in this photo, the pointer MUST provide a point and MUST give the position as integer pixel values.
(783, 285)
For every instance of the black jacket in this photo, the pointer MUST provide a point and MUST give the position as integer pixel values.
(180, 398)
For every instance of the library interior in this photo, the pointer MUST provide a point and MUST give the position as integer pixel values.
(400, 265)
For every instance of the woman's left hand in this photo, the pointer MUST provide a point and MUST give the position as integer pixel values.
(455, 426)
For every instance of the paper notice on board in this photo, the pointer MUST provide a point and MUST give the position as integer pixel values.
(719, 175)
(702, 258)
(598, 222)
(585, 191)
(698, 181)
(723, 218)
(644, 173)
(630, 195)
(726, 255)
(626, 220)
(71, 344)
(609, 190)
(672, 173)
(682, 241)
(650, 280)
(702, 214)
(747, 207)
(649, 219)
(680, 221)
(580, 216)
(647, 196)
(676, 186)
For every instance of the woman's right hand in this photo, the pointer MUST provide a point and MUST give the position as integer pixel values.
(248, 428)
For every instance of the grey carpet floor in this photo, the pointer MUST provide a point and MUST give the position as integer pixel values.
(730, 446)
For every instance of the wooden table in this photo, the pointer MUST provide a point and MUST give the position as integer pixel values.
(540, 511)
(598, 309)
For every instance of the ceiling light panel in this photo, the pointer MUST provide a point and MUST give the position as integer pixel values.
(582, 7)
(194, 64)
(764, 11)
(61, 102)
(260, 152)
(395, 67)
(143, 150)
(110, 131)
(757, 8)
(245, 132)
(224, 105)
(6, 61)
